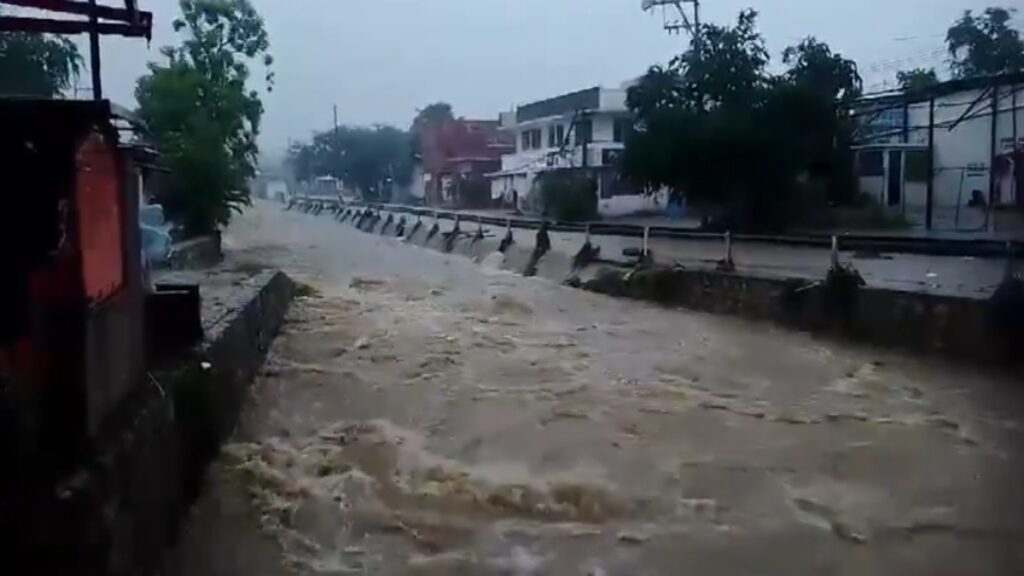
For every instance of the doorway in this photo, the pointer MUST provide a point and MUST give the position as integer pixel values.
(894, 179)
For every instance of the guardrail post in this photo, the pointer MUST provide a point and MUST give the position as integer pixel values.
(435, 228)
(479, 234)
(587, 253)
(451, 236)
(726, 264)
(540, 248)
(508, 240)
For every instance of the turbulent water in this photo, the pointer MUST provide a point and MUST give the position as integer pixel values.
(421, 414)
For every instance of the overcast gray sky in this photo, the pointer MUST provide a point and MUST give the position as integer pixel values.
(379, 60)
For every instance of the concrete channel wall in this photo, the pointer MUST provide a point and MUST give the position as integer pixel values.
(961, 327)
(120, 511)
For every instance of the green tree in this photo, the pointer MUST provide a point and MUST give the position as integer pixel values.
(435, 113)
(728, 68)
(367, 159)
(985, 44)
(37, 65)
(917, 79)
(814, 65)
(201, 112)
(568, 196)
(740, 143)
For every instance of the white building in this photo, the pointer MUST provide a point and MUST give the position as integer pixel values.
(579, 130)
(967, 127)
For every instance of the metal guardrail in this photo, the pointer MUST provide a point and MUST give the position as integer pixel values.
(953, 247)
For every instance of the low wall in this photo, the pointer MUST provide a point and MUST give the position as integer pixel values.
(959, 327)
(955, 327)
(117, 514)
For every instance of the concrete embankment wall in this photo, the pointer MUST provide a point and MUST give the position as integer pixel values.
(120, 511)
(961, 327)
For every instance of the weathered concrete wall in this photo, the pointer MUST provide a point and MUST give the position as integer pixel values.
(118, 512)
(958, 327)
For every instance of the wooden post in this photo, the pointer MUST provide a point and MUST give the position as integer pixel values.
(94, 52)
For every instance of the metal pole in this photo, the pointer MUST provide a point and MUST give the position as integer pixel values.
(696, 27)
(989, 221)
(698, 47)
(1013, 145)
(94, 52)
(930, 195)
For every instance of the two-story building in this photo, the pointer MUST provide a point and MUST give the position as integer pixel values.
(456, 156)
(582, 130)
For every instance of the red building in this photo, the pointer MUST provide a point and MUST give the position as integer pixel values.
(456, 155)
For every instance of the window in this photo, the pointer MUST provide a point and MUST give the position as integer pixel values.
(870, 163)
(552, 143)
(584, 132)
(526, 140)
(535, 138)
(560, 133)
(917, 166)
(621, 127)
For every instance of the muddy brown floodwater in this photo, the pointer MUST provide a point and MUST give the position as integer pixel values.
(422, 414)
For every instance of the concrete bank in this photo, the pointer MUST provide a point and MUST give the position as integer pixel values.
(972, 328)
(118, 512)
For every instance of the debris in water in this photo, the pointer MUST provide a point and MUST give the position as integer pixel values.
(303, 290)
(362, 343)
(630, 537)
(361, 283)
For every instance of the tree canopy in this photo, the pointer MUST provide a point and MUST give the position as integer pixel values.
(37, 65)
(985, 44)
(814, 66)
(716, 126)
(202, 113)
(368, 159)
(917, 79)
(435, 113)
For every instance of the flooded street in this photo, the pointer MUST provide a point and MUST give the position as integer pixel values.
(423, 414)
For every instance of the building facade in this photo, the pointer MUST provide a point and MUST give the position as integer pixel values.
(582, 130)
(455, 157)
(963, 139)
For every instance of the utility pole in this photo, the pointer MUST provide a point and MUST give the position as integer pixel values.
(335, 119)
(696, 28)
(94, 52)
(698, 49)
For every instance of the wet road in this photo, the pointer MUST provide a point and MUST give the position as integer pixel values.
(422, 414)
